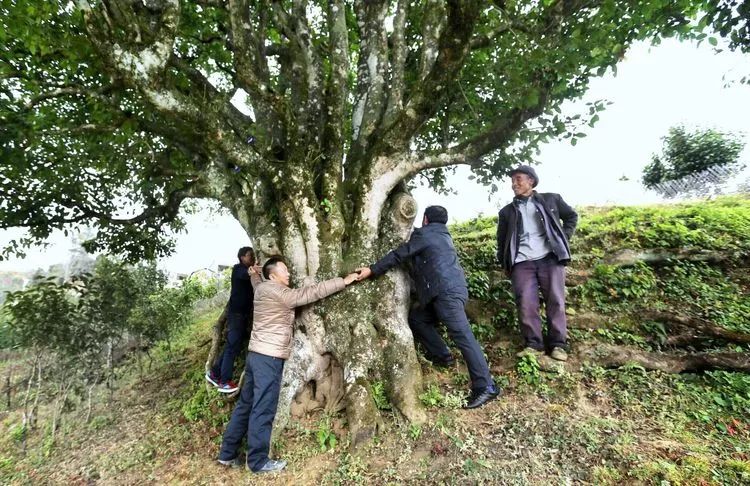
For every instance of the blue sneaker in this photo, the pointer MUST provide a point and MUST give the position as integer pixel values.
(271, 466)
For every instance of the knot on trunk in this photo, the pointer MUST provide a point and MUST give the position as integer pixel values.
(405, 208)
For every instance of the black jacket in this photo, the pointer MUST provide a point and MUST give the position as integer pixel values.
(241, 296)
(435, 266)
(550, 209)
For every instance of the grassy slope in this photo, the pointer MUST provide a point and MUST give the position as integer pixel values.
(589, 425)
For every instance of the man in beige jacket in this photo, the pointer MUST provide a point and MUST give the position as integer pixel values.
(270, 346)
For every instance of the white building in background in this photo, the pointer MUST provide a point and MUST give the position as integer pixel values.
(206, 276)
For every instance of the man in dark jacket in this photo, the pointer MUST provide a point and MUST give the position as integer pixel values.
(441, 287)
(533, 247)
(239, 313)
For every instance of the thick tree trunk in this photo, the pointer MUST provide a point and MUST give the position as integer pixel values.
(348, 342)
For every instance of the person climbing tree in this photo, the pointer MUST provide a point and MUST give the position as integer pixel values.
(239, 322)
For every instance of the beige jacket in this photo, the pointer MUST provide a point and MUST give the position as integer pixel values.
(273, 314)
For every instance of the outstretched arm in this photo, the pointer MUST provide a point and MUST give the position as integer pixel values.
(396, 257)
(311, 293)
(254, 273)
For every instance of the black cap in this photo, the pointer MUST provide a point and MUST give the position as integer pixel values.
(436, 214)
(529, 171)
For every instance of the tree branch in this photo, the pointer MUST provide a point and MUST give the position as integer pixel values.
(470, 152)
(204, 89)
(433, 22)
(306, 71)
(66, 91)
(485, 40)
(370, 92)
(145, 67)
(313, 69)
(398, 63)
(452, 50)
(165, 212)
(252, 73)
(334, 133)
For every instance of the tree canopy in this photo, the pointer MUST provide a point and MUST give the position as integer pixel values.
(114, 112)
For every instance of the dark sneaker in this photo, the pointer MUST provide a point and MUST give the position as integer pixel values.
(272, 466)
(559, 354)
(228, 387)
(480, 397)
(212, 378)
(537, 353)
(238, 461)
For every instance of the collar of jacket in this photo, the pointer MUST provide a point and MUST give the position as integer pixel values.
(435, 227)
(517, 200)
(275, 283)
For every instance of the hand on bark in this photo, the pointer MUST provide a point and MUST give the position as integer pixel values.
(254, 270)
(364, 273)
(351, 278)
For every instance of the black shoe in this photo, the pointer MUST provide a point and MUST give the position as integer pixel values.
(480, 397)
(238, 461)
(441, 363)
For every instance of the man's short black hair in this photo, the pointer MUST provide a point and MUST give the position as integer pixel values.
(436, 214)
(270, 264)
(244, 251)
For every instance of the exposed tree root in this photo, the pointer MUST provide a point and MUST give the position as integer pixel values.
(707, 328)
(628, 257)
(687, 340)
(363, 418)
(611, 356)
(654, 257)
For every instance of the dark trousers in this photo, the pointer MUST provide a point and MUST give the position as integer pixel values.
(449, 309)
(548, 276)
(254, 413)
(236, 336)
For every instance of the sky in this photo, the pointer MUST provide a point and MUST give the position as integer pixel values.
(656, 87)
